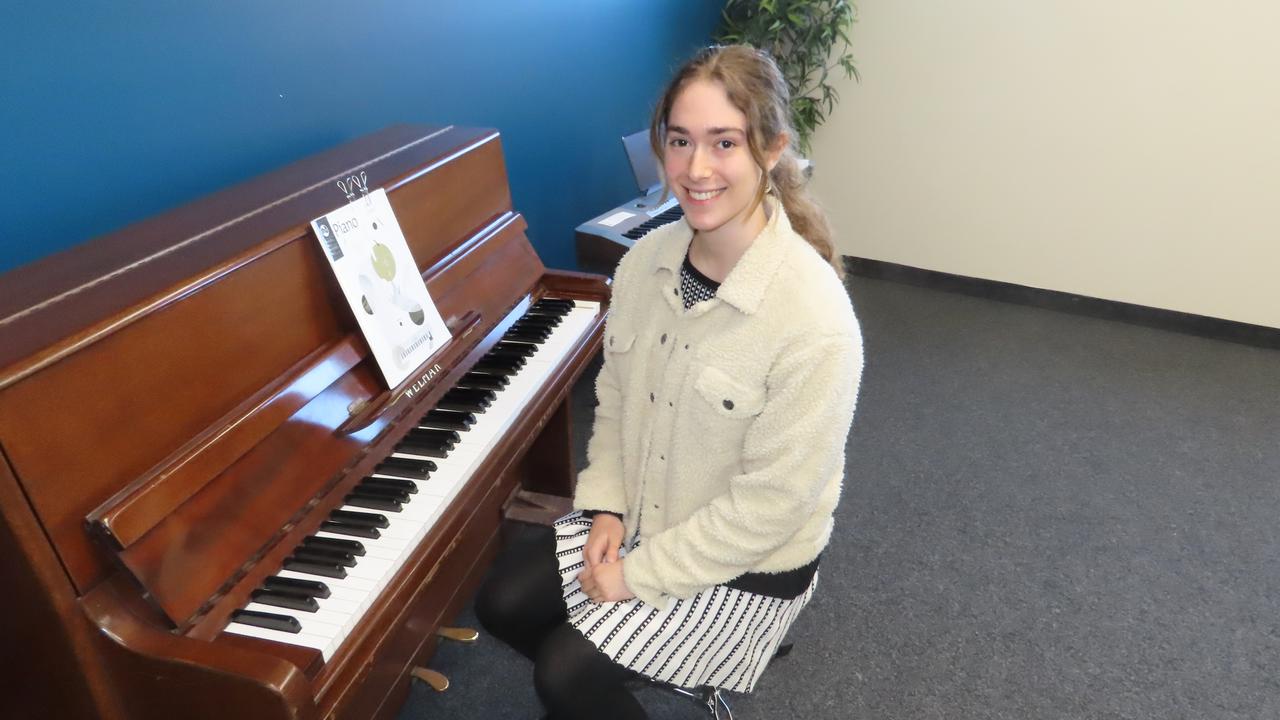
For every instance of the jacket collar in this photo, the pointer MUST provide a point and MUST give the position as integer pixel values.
(747, 282)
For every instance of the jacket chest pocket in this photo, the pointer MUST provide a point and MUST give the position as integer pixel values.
(619, 341)
(727, 397)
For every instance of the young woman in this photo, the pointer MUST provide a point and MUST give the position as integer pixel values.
(732, 359)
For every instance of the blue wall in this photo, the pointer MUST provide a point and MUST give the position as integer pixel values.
(111, 112)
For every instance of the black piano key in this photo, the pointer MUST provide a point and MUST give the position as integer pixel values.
(423, 448)
(364, 519)
(558, 311)
(431, 434)
(333, 570)
(307, 588)
(551, 319)
(560, 303)
(517, 347)
(305, 603)
(425, 440)
(522, 326)
(270, 621)
(374, 503)
(311, 553)
(546, 311)
(534, 322)
(531, 333)
(339, 528)
(355, 547)
(485, 366)
(511, 350)
(460, 406)
(516, 361)
(448, 419)
(484, 397)
(407, 468)
(527, 335)
(393, 493)
(488, 381)
(407, 486)
(479, 393)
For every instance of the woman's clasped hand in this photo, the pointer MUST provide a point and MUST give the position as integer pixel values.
(601, 578)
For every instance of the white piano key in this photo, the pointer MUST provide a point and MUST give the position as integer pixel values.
(346, 582)
(370, 569)
(336, 590)
(372, 546)
(323, 644)
(337, 604)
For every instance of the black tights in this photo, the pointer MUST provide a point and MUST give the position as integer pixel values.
(522, 605)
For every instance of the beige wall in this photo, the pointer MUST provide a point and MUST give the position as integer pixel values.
(1121, 150)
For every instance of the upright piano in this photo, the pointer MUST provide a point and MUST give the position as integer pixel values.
(212, 505)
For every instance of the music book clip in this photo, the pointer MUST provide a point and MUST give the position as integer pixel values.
(355, 183)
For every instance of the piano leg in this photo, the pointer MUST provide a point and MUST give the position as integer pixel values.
(547, 468)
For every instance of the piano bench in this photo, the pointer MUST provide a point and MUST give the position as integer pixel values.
(536, 508)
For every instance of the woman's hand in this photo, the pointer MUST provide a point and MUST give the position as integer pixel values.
(603, 541)
(601, 579)
(605, 583)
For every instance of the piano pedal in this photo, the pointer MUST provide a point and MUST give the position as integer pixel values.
(458, 634)
(437, 681)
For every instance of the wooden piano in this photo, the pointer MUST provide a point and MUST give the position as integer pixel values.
(186, 405)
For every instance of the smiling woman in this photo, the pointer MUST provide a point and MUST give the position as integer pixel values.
(709, 167)
(741, 97)
(732, 359)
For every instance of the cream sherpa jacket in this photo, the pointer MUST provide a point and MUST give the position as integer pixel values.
(720, 431)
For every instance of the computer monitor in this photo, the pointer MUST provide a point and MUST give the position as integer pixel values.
(643, 163)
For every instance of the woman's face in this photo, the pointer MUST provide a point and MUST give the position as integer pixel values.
(706, 159)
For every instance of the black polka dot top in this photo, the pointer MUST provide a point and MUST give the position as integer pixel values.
(694, 286)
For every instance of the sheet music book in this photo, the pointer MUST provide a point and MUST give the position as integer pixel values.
(377, 273)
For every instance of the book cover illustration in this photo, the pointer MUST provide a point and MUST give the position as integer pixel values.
(378, 275)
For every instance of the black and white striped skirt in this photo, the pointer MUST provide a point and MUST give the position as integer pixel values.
(721, 636)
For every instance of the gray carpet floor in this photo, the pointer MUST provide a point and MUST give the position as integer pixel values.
(1045, 516)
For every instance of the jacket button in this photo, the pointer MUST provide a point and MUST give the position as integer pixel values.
(611, 340)
(663, 339)
(675, 291)
(686, 347)
(651, 398)
(728, 404)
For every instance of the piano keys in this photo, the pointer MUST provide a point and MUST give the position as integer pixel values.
(398, 526)
(212, 500)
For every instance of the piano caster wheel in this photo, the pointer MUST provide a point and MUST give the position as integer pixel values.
(438, 682)
(458, 634)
